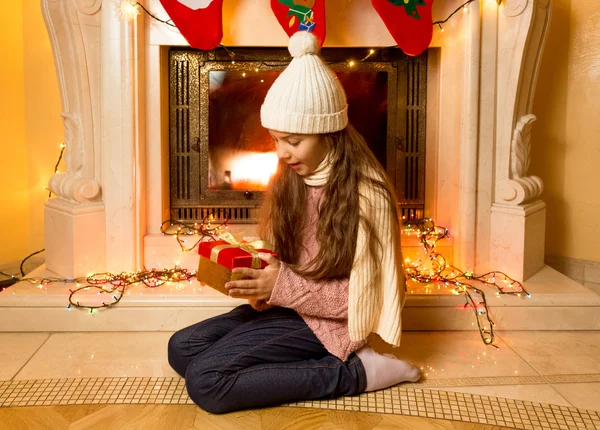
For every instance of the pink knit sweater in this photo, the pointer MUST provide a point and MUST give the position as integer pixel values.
(322, 304)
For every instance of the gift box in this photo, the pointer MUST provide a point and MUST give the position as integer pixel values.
(306, 26)
(218, 259)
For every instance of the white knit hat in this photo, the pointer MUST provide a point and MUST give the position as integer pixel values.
(307, 97)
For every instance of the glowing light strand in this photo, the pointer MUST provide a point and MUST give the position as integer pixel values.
(433, 269)
(205, 230)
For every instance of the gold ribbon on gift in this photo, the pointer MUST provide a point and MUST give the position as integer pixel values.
(249, 247)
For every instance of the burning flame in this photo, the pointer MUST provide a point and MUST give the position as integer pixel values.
(252, 170)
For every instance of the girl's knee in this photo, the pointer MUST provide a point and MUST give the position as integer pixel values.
(203, 388)
(175, 353)
(175, 344)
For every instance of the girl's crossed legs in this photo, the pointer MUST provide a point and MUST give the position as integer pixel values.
(247, 359)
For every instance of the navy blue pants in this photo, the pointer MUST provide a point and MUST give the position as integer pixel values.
(247, 359)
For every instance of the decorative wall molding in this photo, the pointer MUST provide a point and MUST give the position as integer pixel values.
(73, 28)
(522, 32)
(70, 185)
(518, 216)
(521, 188)
(88, 7)
(73, 188)
(75, 221)
(515, 7)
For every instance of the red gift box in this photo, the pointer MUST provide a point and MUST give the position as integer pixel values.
(218, 258)
(230, 256)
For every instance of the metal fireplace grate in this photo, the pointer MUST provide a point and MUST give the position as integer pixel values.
(232, 215)
(403, 155)
(410, 180)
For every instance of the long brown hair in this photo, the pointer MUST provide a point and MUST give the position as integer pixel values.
(283, 210)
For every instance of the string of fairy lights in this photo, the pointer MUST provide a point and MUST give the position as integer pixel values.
(182, 231)
(63, 146)
(432, 269)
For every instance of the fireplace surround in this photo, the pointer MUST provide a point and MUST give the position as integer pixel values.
(113, 78)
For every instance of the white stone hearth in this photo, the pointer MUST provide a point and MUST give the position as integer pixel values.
(557, 303)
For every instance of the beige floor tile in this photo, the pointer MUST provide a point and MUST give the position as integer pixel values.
(16, 349)
(557, 352)
(583, 396)
(533, 393)
(459, 355)
(81, 355)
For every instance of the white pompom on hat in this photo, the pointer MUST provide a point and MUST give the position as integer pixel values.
(307, 97)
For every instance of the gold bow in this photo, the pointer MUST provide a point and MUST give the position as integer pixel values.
(249, 247)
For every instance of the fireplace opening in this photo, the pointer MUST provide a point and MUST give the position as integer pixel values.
(221, 158)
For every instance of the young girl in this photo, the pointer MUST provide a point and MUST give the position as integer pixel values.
(330, 213)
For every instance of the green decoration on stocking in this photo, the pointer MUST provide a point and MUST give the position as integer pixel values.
(408, 21)
(410, 6)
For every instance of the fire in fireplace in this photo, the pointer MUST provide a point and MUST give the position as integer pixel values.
(243, 171)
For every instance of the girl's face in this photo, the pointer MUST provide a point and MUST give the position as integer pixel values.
(302, 152)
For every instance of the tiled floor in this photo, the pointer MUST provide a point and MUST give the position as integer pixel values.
(535, 379)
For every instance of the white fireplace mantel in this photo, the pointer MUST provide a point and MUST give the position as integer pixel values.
(481, 75)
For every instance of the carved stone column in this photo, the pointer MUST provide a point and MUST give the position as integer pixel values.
(75, 220)
(518, 216)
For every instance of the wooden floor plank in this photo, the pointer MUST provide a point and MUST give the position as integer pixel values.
(147, 417)
(190, 417)
(34, 417)
(242, 420)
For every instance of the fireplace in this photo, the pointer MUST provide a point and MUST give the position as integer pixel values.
(221, 158)
(114, 84)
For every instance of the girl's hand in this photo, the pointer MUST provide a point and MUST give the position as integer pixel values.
(260, 283)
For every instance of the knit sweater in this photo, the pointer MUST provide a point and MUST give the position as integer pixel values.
(322, 304)
(377, 284)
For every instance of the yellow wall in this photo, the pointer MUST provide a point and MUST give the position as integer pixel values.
(14, 213)
(31, 129)
(566, 138)
(43, 123)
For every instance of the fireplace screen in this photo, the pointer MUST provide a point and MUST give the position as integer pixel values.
(221, 158)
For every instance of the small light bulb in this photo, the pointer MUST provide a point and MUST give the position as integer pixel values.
(128, 10)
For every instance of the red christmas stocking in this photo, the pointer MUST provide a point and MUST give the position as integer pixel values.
(199, 21)
(408, 21)
(296, 15)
